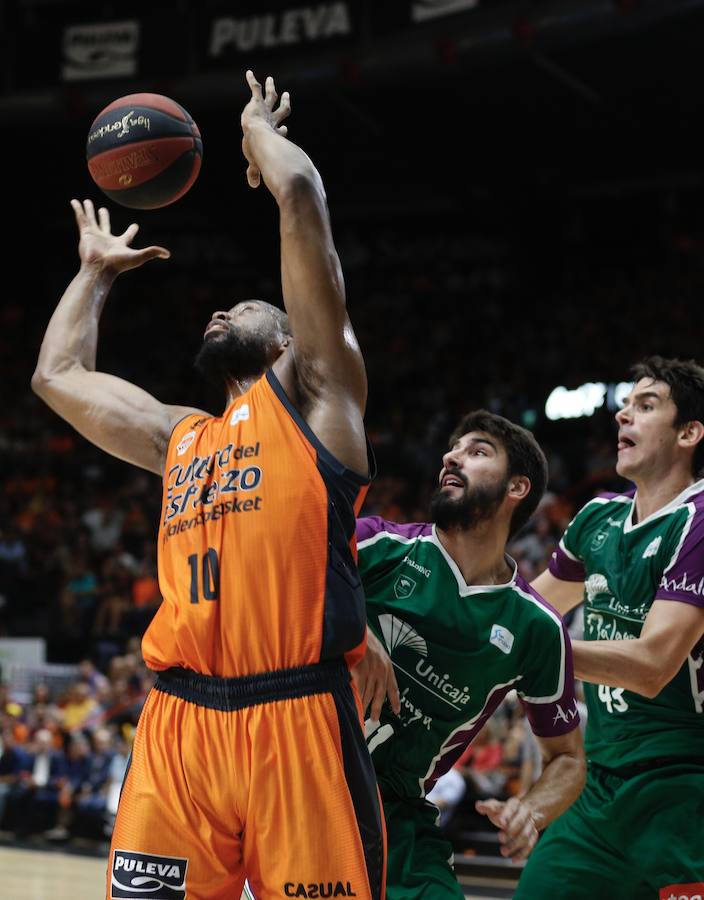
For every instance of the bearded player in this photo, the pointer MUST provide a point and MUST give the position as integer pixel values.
(636, 560)
(463, 629)
(249, 757)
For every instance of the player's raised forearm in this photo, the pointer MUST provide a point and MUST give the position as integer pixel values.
(288, 171)
(559, 785)
(71, 338)
(625, 664)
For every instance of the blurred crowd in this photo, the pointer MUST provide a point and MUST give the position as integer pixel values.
(64, 752)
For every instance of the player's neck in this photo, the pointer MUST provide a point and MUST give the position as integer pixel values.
(236, 387)
(479, 553)
(656, 491)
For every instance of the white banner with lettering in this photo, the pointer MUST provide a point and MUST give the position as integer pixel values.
(105, 50)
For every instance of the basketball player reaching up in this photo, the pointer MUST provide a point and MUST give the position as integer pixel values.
(249, 757)
(636, 560)
(463, 629)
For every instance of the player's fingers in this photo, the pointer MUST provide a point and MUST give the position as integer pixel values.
(270, 96)
(104, 218)
(152, 253)
(78, 213)
(253, 176)
(284, 109)
(392, 691)
(367, 691)
(491, 809)
(521, 843)
(378, 697)
(512, 809)
(89, 210)
(488, 806)
(254, 85)
(282, 130)
(129, 233)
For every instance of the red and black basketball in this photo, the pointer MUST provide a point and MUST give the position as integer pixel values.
(144, 151)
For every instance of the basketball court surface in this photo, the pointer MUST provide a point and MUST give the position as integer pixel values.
(27, 874)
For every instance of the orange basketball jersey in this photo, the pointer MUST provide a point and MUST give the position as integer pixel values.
(256, 554)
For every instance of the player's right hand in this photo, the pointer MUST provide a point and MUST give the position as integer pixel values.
(262, 108)
(99, 248)
(375, 679)
(518, 832)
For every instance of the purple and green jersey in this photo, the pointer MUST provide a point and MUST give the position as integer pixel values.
(625, 567)
(457, 651)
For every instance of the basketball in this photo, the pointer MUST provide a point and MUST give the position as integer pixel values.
(144, 151)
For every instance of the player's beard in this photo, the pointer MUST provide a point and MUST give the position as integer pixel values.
(233, 355)
(476, 505)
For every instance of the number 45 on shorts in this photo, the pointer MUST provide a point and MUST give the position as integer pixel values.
(612, 698)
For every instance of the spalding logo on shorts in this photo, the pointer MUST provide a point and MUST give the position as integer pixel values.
(138, 875)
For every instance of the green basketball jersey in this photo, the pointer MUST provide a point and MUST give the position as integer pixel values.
(457, 650)
(625, 567)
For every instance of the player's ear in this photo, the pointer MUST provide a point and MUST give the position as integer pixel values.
(690, 434)
(518, 487)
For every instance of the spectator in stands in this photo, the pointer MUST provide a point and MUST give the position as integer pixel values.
(41, 712)
(90, 801)
(78, 707)
(34, 803)
(78, 597)
(15, 766)
(76, 778)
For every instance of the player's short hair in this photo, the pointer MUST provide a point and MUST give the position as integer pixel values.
(685, 379)
(525, 457)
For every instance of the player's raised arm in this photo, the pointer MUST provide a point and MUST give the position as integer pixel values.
(563, 595)
(329, 369)
(115, 415)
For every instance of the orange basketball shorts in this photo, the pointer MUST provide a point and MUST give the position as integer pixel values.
(265, 777)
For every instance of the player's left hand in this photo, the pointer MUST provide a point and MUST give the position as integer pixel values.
(261, 109)
(375, 679)
(518, 833)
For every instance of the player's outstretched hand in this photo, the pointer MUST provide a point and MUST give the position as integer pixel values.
(375, 679)
(99, 247)
(518, 834)
(261, 108)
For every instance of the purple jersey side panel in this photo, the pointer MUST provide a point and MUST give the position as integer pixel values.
(558, 716)
(462, 739)
(373, 525)
(683, 579)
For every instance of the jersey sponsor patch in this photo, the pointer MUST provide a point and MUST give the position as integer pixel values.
(693, 891)
(144, 875)
(683, 584)
(502, 638)
(652, 547)
(240, 414)
(185, 442)
(404, 586)
(566, 715)
(598, 542)
(596, 584)
(398, 633)
(424, 570)
(319, 889)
